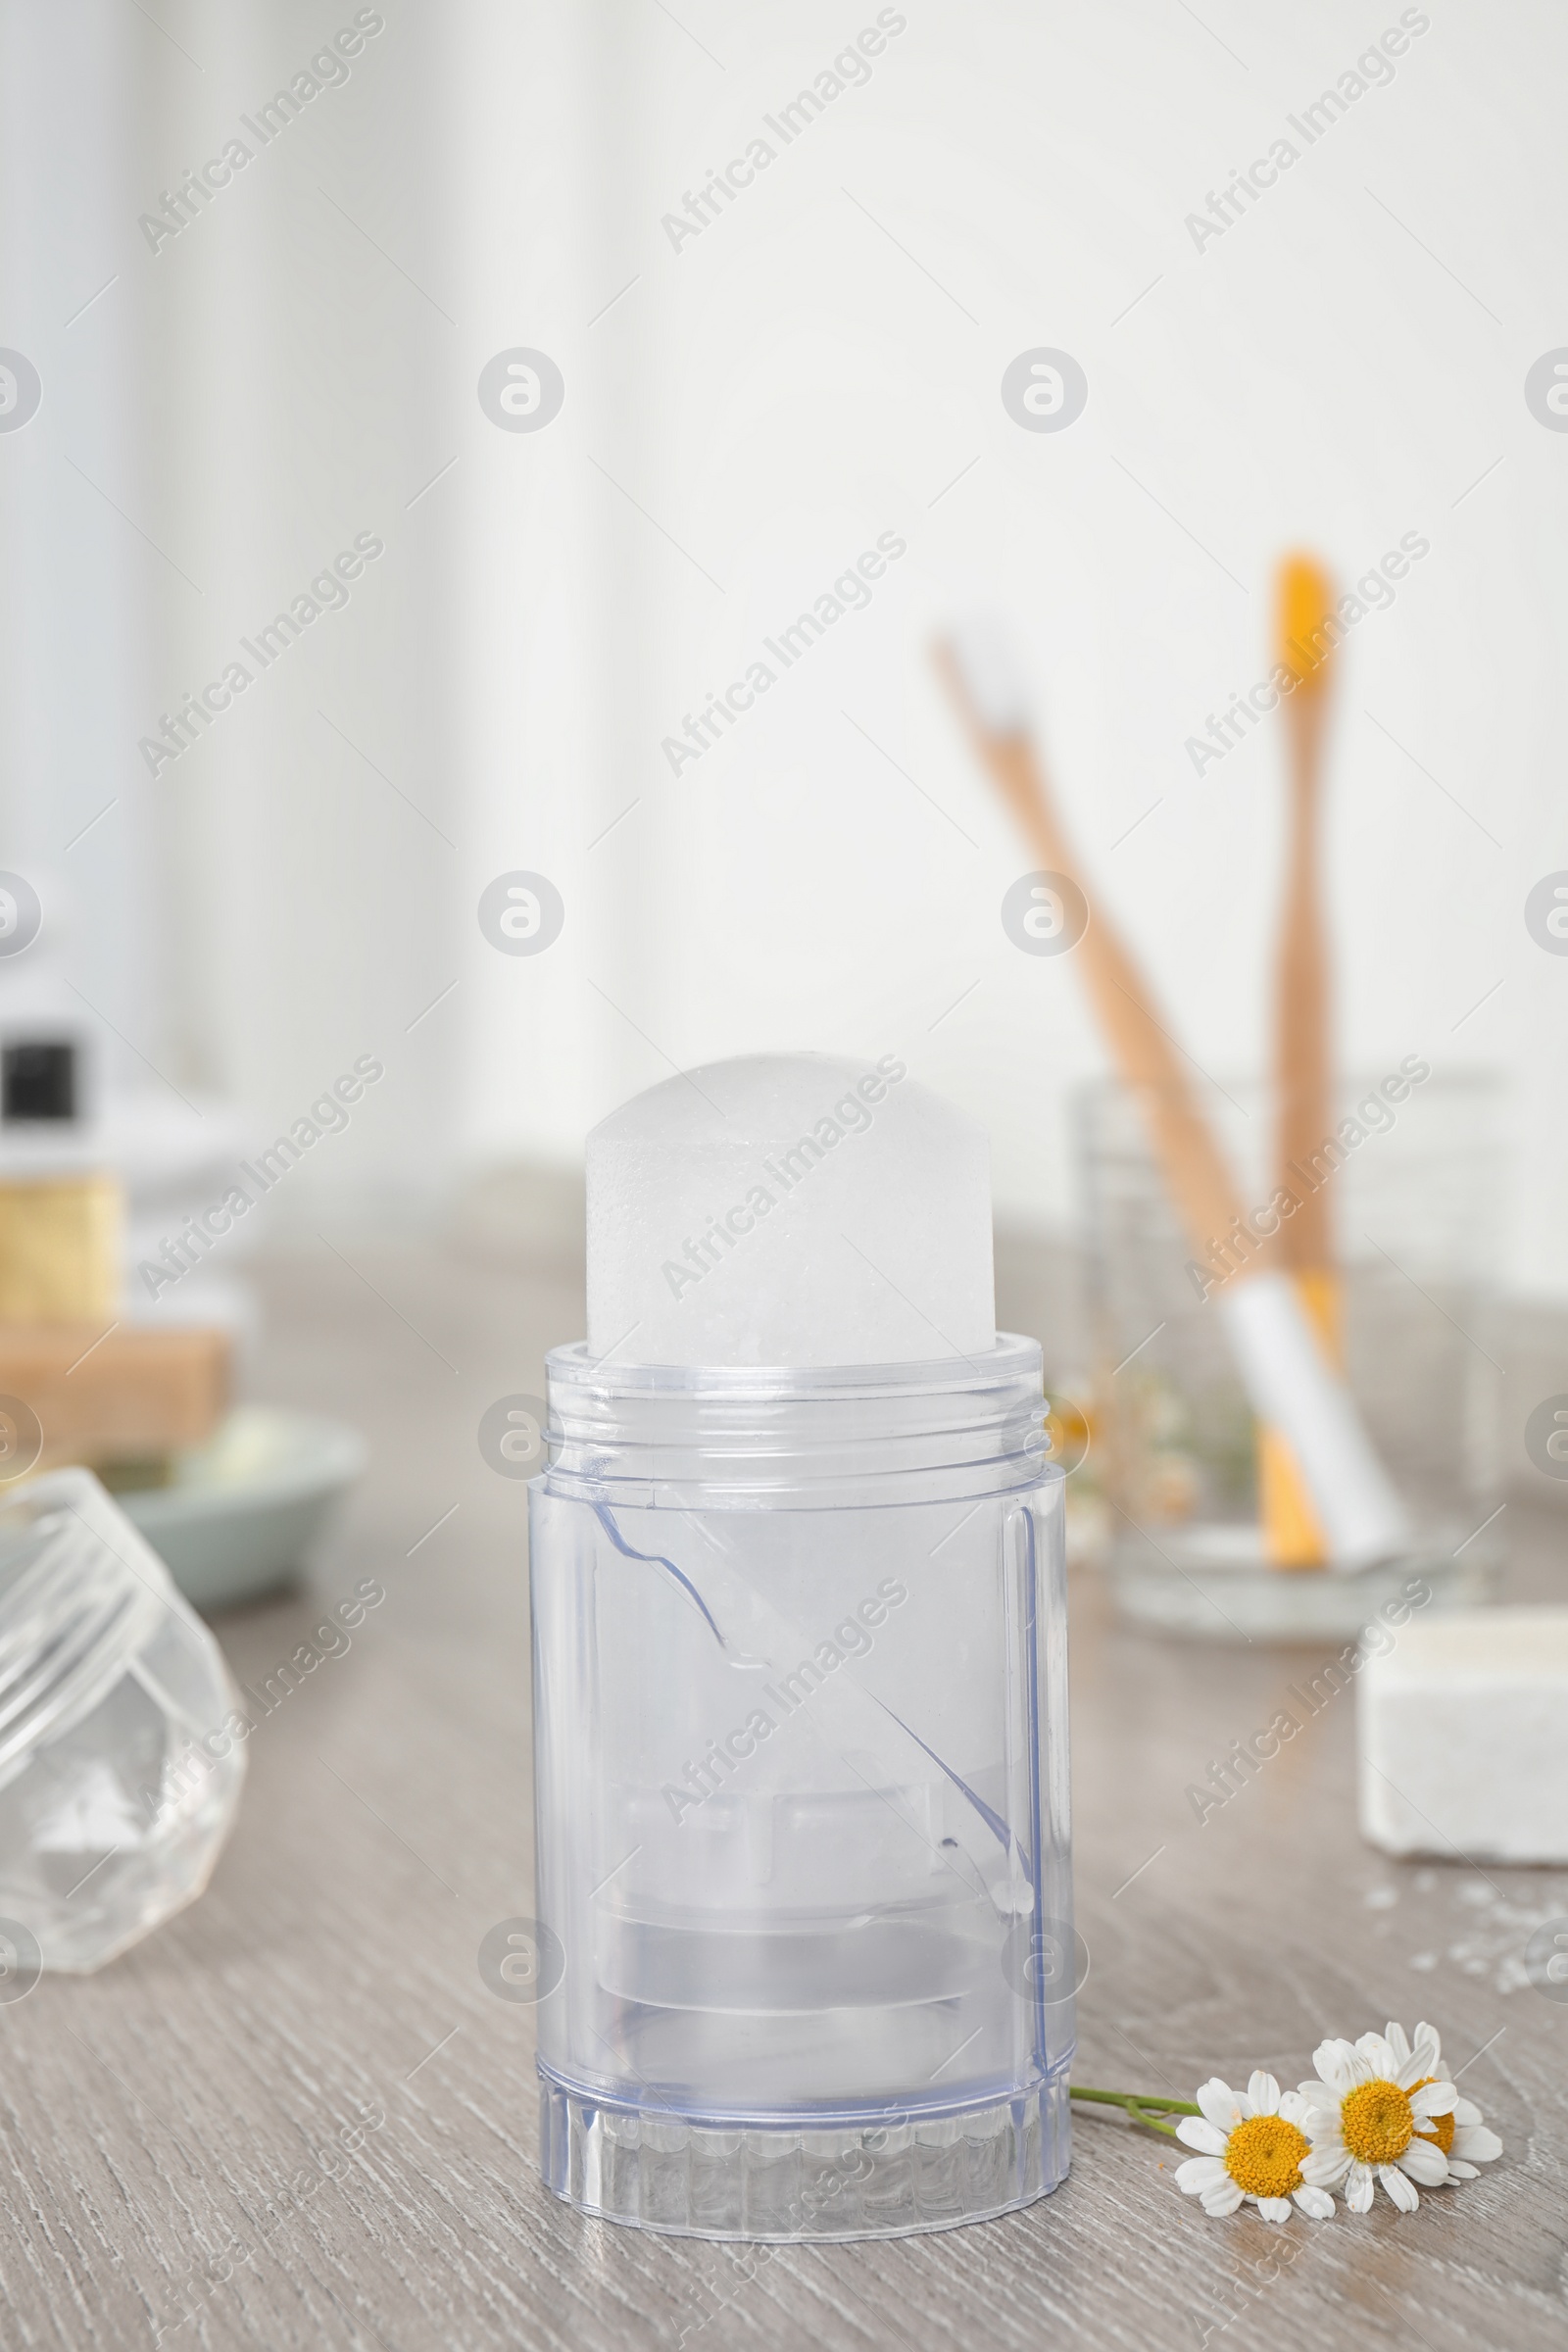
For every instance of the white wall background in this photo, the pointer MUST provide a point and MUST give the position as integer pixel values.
(821, 365)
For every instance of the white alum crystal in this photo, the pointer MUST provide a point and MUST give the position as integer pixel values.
(792, 1210)
(1462, 1730)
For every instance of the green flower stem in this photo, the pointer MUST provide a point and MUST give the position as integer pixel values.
(1139, 2107)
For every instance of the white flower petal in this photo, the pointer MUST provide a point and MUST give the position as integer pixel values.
(1425, 2162)
(1263, 2094)
(1433, 2098)
(1225, 2108)
(1200, 2173)
(1294, 2108)
(1358, 2189)
(1379, 2056)
(1476, 2144)
(1428, 2047)
(1402, 2191)
(1273, 2209)
(1196, 2131)
(1325, 2168)
(1316, 2201)
(1397, 2040)
(1218, 2202)
(1334, 2062)
(1461, 2171)
(1465, 2111)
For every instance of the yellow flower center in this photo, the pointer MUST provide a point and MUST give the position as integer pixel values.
(1263, 2156)
(1378, 2122)
(1441, 2130)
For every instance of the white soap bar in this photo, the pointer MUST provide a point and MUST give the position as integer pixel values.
(1462, 1734)
(791, 1209)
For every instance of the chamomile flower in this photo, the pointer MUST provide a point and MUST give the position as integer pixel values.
(1383, 2110)
(1460, 2133)
(1251, 2147)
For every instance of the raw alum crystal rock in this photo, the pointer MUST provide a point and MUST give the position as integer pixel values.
(789, 1208)
(120, 1763)
(1462, 1730)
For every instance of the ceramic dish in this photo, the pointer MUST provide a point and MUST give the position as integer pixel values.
(242, 1512)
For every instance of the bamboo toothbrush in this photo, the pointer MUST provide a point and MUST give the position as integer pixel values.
(987, 698)
(1286, 1376)
(1293, 1537)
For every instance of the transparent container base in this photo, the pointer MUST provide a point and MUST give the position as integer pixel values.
(1214, 1583)
(784, 2183)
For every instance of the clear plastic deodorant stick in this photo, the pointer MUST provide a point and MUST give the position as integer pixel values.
(800, 1678)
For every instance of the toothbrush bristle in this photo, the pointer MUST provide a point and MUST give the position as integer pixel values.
(990, 675)
(1308, 626)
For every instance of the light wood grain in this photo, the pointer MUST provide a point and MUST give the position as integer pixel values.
(1302, 1009)
(105, 1392)
(149, 2116)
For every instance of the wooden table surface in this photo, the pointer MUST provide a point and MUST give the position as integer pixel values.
(172, 2149)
